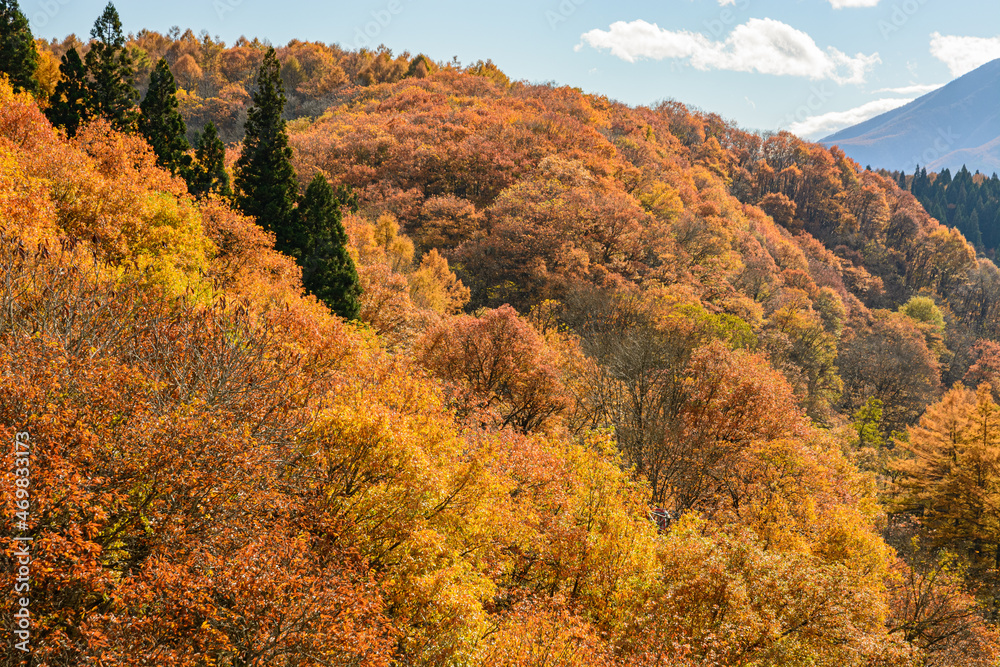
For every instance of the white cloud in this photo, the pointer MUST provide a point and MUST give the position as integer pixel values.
(816, 127)
(759, 45)
(841, 4)
(964, 54)
(917, 89)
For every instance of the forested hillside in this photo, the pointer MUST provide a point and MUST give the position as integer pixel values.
(969, 202)
(216, 80)
(455, 370)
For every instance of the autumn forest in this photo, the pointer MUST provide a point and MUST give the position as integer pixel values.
(354, 358)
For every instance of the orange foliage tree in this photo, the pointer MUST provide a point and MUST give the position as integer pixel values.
(498, 366)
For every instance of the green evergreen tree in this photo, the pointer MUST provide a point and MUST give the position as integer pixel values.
(318, 240)
(920, 183)
(994, 231)
(972, 232)
(938, 208)
(957, 190)
(265, 180)
(18, 56)
(68, 104)
(208, 173)
(110, 91)
(161, 123)
(959, 220)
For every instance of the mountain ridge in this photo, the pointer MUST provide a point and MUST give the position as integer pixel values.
(957, 124)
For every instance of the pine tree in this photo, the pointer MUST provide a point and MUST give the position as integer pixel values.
(265, 180)
(995, 229)
(161, 123)
(208, 173)
(973, 233)
(958, 219)
(920, 183)
(938, 206)
(318, 240)
(18, 56)
(68, 104)
(110, 92)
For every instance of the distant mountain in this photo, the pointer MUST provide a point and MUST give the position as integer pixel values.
(954, 125)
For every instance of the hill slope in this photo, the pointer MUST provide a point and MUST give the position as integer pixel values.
(225, 473)
(954, 125)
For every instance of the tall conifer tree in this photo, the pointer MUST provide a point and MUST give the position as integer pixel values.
(18, 56)
(265, 180)
(68, 104)
(318, 240)
(161, 123)
(110, 91)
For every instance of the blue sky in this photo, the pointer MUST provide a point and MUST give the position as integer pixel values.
(807, 65)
